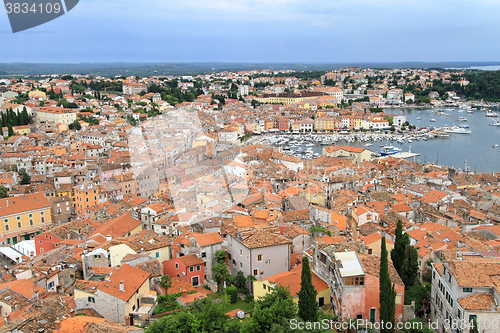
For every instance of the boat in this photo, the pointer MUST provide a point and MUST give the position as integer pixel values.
(418, 118)
(462, 119)
(495, 145)
(432, 119)
(470, 111)
(496, 123)
(491, 114)
(368, 144)
(463, 126)
(389, 150)
(442, 134)
(457, 130)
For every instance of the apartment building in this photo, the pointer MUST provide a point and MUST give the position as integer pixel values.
(23, 217)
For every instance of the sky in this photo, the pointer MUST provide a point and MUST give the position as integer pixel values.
(291, 31)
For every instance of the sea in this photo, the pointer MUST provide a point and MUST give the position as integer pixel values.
(473, 152)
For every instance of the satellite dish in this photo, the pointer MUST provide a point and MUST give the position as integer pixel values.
(240, 314)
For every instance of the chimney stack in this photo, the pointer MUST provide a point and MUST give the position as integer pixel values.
(122, 286)
(261, 275)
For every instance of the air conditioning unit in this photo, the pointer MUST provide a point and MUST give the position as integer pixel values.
(268, 261)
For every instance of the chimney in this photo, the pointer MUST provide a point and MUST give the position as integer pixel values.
(108, 238)
(261, 275)
(184, 293)
(7, 202)
(122, 286)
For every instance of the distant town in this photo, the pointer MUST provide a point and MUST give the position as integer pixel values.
(235, 202)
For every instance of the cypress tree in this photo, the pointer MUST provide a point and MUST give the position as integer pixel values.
(11, 130)
(397, 253)
(409, 270)
(308, 307)
(387, 294)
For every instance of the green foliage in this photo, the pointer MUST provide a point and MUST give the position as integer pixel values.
(417, 293)
(307, 294)
(75, 125)
(66, 77)
(275, 308)
(3, 192)
(376, 110)
(398, 251)
(212, 316)
(165, 282)
(409, 271)
(315, 230)
(473, 326)
(387, 294)
(181, 322)
(220, 273)
(241, 282)
(232, 292)
(25, 178)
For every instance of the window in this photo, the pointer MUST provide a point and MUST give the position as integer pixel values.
(254, 272)
(198, 267)
(6, 220)
(30, 215)
(459, 314)
(472, 317)
(259, 257)
(18, 218)
(467, 290)
(203, 254)
(241, 252)
(50, 285)
(241, 264)
(31, 222)
(6, 227)
(176, 265)
(157, 254)
(19, 224)
(191, 268)
(373, 315)
(43, 219)
(234, 262)
(91, 299)
(354, 281)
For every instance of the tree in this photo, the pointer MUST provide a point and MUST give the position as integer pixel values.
(10, 130)
(232, 292)
(397, 253)
(166, 283)
(270, 310)
(211, 315)
(473, 326)
(387, 294)
(241, 283)
(220, 270)
(25, 178)
(307, 294)
(409, 270)
(181, 322)
(3, 192)
(75, 125)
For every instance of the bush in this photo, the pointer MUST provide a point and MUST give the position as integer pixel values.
(232, 292)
